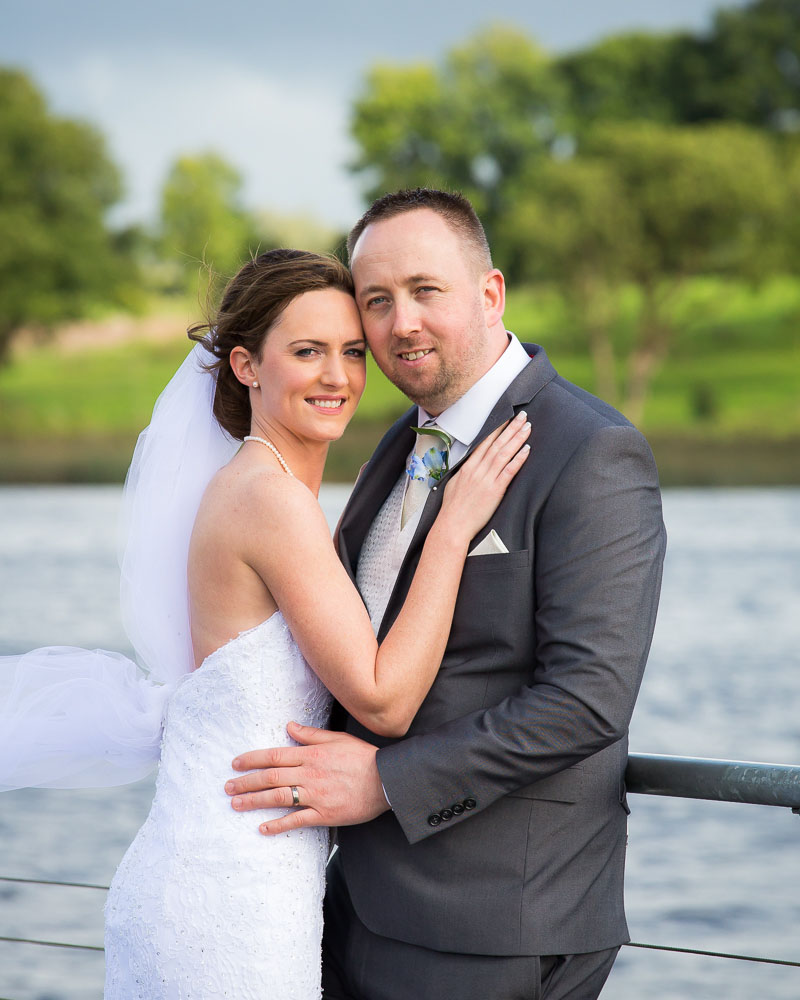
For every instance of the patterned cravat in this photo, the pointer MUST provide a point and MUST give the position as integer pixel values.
(428, 463)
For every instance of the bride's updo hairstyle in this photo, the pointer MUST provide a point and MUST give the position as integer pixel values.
(252, 301)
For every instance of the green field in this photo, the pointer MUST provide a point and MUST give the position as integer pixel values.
(730, 389)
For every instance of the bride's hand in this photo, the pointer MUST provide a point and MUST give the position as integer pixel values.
(473, 494)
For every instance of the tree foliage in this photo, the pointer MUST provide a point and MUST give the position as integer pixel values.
(495, 103)
(56, 185)
(623, 78)
(647, 206)
(747, 68)
(204, 228)
(791, 162)
(636, 163)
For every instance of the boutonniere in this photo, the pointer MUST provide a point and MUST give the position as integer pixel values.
(433, 464)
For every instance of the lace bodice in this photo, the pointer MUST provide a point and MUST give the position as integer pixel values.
(199, 879)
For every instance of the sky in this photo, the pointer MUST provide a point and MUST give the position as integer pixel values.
(267, 83)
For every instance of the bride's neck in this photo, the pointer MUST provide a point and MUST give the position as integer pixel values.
(304, 458)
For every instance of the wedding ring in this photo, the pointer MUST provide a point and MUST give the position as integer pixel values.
(295, 795)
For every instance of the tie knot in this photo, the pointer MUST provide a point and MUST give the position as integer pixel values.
(429, 461)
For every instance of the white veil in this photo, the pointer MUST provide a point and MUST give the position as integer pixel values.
(74, 718)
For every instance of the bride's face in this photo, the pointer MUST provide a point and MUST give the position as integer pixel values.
(313, 367)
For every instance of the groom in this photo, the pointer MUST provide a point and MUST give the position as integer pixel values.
(481, 856)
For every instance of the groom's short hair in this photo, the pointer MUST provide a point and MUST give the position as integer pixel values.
(453, 207)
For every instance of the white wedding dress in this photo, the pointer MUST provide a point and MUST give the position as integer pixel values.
(203, 905)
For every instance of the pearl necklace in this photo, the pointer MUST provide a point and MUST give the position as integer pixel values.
(273, 449)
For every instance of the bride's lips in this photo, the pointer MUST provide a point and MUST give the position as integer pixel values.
(329, 405)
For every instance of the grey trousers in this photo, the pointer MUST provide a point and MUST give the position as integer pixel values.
(360, 965)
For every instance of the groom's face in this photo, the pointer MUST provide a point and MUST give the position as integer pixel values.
(420, 294)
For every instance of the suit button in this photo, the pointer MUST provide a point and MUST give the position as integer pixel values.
(447, 814)
(434, 819)
(457, 808)
(470, 803)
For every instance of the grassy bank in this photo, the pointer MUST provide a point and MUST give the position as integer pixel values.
(724, 409)
(74, 415)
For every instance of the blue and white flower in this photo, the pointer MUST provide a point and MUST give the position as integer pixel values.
(432, 465)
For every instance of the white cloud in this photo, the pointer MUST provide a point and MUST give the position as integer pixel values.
(288, 139)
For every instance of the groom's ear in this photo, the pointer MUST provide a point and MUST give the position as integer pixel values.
(494, 297)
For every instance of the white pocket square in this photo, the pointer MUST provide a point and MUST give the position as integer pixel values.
(490, 545)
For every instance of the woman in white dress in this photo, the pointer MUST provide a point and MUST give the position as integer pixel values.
(202, 905)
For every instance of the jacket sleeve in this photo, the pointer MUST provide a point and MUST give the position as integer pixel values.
(599, 547)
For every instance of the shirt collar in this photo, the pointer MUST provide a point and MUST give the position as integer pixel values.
(464, 419)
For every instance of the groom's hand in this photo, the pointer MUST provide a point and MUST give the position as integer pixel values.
(335, 775)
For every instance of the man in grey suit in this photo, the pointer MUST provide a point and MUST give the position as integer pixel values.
(482, 855)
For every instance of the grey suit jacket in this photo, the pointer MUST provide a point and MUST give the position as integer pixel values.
(508, 829)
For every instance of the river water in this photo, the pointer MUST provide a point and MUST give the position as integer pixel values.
(723, 681)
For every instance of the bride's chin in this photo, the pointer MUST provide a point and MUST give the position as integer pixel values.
(320, 436)
(334, 435)
(329, 431)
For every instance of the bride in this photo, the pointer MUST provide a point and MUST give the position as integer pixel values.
(264, 627)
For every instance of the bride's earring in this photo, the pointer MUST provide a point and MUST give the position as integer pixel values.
(255, 385)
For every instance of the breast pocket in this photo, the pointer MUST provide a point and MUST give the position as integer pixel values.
(494, 602)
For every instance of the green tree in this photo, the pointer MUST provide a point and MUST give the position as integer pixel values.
(572, 226)
(791, 161)
(586, 174)
(204, 228)
(747, 68)
(56, 185)
(623, 78)
(470, 124)
(647, 206)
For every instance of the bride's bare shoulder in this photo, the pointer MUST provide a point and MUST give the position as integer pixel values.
(260, 497)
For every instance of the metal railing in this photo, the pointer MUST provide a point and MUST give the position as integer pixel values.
(647, 774)
(718, 780)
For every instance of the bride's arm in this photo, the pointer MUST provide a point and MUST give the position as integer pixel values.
(289, 546)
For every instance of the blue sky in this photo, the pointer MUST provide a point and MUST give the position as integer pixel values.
(267, 83)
